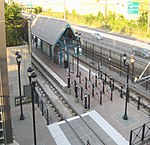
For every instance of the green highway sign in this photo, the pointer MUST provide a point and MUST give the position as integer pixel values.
(130, 7)
(30, 5)
(133, 7)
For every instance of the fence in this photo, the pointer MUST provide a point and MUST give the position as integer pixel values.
(140, 135)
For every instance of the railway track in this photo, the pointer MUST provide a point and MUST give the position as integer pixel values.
(50, 105)
(135, 95)
(57, 93)
(114, 64)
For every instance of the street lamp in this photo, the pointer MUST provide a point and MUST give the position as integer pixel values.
(109, 63)
(32, 78)
(132, 63)
(29, 72)
(69, 76)
(78, 41)
(18, 59)
(125, 117)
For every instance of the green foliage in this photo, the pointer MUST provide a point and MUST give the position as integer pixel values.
(100, 17)
(89, 19)
(48, 13)
(113, 22)
(14, 23)
(37, 10)
(12, 11)
(74, 13)
(143, 19)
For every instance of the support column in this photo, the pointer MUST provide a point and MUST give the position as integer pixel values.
(4, 86)
(60, 57)
(50, 51)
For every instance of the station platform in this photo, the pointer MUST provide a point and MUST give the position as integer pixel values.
(104, 133)
(110, 112)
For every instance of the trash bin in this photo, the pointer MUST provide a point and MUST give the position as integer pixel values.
(65, 64)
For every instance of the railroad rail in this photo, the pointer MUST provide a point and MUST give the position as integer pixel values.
(142, 104)
(51, 105)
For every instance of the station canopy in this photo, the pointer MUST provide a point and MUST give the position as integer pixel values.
(52, 30)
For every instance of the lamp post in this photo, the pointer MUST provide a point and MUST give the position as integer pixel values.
(69, 76)
(18, 59)
(78, 41)
(32, 78)
(109, 63)
(132, 63)
(29, 72)
(125, 117)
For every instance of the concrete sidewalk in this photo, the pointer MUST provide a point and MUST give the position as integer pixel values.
(23, 129)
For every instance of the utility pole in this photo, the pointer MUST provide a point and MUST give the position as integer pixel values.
(4, 87)
(105, 8)
(148, 19)
(64, 9)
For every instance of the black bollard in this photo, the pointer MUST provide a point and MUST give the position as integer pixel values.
(85, 104)
(121, 92)
(101, 74)
(79, 79)
(42, 108)
(81, 93)
(139, 98)
(113, 84)
(92, 90)
(103, 87)
(100, 97)
(68, 82)
(89, 75)
(47, 116)
(98, 74)
(76, 91)
(75, 85)
(89, 101)
(130, 142)
(110, 81)
(111, 97)
(105, 77)
(80, 74)
(86, 83)
(95, 80)
(38, 101)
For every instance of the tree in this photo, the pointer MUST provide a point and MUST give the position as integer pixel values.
(74, 13)
(37, 10)
(14, 24)
(143, 19)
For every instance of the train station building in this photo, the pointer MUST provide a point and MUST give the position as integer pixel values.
(53, 37)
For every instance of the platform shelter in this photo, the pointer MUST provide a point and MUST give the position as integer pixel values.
(54, 37)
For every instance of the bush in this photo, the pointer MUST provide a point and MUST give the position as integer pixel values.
(113, 22)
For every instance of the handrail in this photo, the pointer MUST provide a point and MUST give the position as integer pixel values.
(140, 134)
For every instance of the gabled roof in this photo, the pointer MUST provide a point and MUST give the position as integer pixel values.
(49, 29)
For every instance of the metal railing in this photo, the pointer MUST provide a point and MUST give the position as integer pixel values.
(140, 135)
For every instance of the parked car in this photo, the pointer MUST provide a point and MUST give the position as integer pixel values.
(142, 52)
(97, 36)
